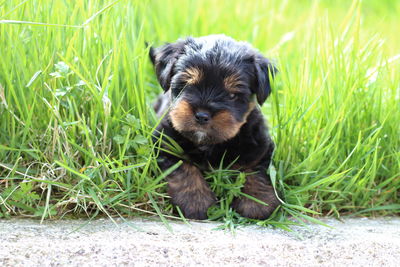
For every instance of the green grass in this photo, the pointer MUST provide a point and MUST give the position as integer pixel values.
(76, 88)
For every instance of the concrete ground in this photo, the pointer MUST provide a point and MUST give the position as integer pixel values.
(356, 242)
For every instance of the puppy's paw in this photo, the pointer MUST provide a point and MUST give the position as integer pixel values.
(194, 204)
(257, 188)
(190, 192)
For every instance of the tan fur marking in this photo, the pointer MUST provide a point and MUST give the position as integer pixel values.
(181, 115)
(232, 82)
(192, 75)
(227, 126)
(252, 105)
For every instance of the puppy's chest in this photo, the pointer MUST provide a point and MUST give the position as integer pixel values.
(206, 155)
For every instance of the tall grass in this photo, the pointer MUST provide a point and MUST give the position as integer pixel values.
(76, 89)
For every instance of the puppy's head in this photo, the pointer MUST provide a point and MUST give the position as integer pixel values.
(215, 83)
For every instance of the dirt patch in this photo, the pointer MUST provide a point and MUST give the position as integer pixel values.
(360, 242)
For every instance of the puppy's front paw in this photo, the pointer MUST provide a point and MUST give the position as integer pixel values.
(256, 187)
(190, 192)
(194, 204)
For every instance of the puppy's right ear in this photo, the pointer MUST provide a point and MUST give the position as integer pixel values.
(164, 59)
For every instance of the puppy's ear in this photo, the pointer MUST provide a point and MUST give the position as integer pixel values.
(264, 72)
(152, 55)
(164, 59)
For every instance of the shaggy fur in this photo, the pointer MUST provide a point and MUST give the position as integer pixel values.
(213, 84)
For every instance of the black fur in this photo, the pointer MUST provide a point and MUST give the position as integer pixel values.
(221, 78)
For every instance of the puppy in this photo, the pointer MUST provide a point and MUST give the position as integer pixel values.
(213, 85)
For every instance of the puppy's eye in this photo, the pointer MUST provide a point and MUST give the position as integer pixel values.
(233, 96)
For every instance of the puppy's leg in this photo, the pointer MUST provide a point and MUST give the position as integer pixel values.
(257, 185)
(190, 192)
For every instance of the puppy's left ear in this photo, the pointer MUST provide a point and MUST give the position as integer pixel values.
(264, 72)
(164, 59)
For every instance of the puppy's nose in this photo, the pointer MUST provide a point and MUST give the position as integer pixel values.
(202, 117)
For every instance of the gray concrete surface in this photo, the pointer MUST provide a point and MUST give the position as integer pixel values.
(356, 242)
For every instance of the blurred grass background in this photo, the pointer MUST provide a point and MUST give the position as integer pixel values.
(76, 90)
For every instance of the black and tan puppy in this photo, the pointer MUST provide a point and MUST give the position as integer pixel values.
(214, 84)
